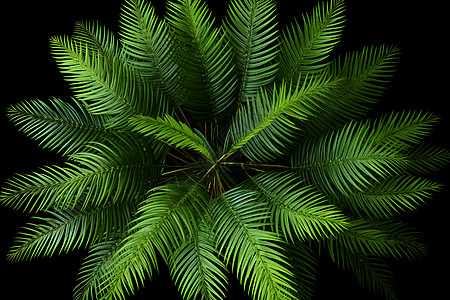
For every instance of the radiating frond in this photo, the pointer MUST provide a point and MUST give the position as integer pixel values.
(263, 129)
(122, 171)
(250, 27)
(58, 125)
(403, 130)
(305, 267)
(425, 158)
(296, 209)
(107, 87)
(363, 78)
(94, 268)
(384, 238)
(390, 196)
(165, 221)
(147, 42)
(256, 255)
(205, 60)
(171, 132)
(97, 38)
(346, 160)
(66, 230)
(196, 269)
(304, 49)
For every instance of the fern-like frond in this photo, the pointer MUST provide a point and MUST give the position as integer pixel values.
(256, 255)
(107, 173)
(165, 222)
(363, 77)
(58, 125)
(205, 60)
(107, 87)
(171, 132)
(263, 129)
(94, 268)
(97, 38)
(250, 27)
(304, 49)
(384, 238)
(403, 130)
(425, 158)
(64, 231)
(390, 196)
(346, 160)
(296, 209)
(147, 43)
(196, 269)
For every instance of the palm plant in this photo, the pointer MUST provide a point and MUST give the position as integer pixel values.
(223, 147)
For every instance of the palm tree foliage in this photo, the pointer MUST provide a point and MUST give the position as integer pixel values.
(222, 147)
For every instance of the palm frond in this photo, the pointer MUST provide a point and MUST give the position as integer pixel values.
(253, 38)
(390, 196)
(196, 269)
(58, 125)
(165, 221)
(204, 58)
(425, 158)
(363, 77)
(295, 208)
(96, 38)
(304, 49)
(64, 231)
(105, 173)
(94, 268)
(346, 160)
(383, 238)
(147, 42)
(403, 130)
(263, 129)
(171, 132)
(256, 255)
(106, 87)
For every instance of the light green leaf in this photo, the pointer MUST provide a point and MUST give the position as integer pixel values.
(170, 131)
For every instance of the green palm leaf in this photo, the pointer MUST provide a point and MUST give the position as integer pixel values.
(253, 38)
(295, 208)
(255, 254)
(363, 78)
(59, 125)
(70, 229)
(171, 132)
(390, 196)
(105, 174)
(384, 238)
(94, 268)
(107, 87)
(305, 49)
(96, 38)
(346, 160)
(264, 128)
(166, 220)
(372, 272)
(204, 58)
(196, 268)
(305, 269)
(146, 40)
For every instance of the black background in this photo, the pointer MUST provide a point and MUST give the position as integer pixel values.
(420, 30)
